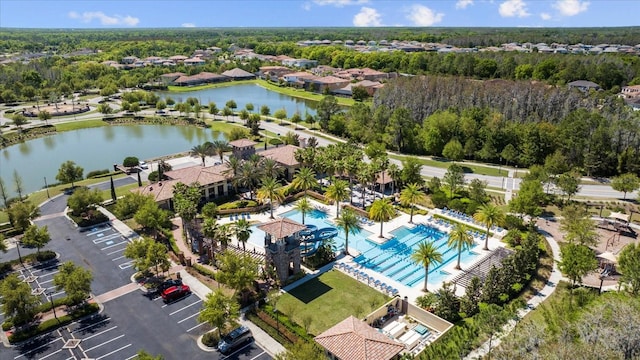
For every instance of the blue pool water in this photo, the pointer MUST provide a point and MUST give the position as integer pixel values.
(392, 258)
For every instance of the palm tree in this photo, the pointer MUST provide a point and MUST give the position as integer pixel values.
(411, 195)
(219, 147)
(489, 215)
(426, 254)
(201, 151)
(210, 231)
(337, 191)
(243, 232)
(460, 239)
(271, 168)
(381, 210)
(223, 234)
(270, 190)
(348, 221)
(304, 206)
(304, 179)
(395, 172)
(233, 165)
(248, 177)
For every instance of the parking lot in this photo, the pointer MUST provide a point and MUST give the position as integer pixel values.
(130, 322)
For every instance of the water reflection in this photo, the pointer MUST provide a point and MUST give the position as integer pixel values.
(49, 142)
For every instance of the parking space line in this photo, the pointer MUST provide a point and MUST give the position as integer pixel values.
(43, 269)
(104, 343)
(126, 265)
(105, 238)
(114, 351)
(98, 231)
(44, 282)
(185, 319)
(53, 353)
(38, 348)
(132, 357)
(177, 311)
(116, 244)
(197, 326)
(100, 333)
(92, 325)
(116, 251)
(255, 357)
(118, 258)
(237, 351)
(49, 273)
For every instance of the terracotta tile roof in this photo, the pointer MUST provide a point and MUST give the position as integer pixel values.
(387, 178)
(242, 143)
(353, 339)
(237, 73)
(203, 175)
(161, 191)
(284, 155)
(281, 228)
(330, 80)
(173, 74)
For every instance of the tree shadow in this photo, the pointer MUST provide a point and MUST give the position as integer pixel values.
(310, 290)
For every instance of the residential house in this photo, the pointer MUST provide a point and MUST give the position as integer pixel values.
(243, 148)
(370, 86)
(213, 180)
(631, 91)
(285, 157)
(273, 72)
(170, 78)
(583, 85)
(199, 79)
(194, 62)
(178, 58)
(297, 79)
(325, 83)
(300, 63)
(239, 74)
(129, 60)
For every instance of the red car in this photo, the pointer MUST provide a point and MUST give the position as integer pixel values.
(175, 292)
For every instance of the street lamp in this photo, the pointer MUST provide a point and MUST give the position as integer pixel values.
(18, 248)
(275, 310)
(53, 307)
(46, 187)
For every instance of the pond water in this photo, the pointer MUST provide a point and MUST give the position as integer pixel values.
(94, 149)
(244, 94)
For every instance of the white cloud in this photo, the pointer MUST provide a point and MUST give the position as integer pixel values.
(462, 4)
(367, 17)
(340, 3)
(188, 25)
(89, 16)
(421, 15)
(571, 7)
(306, 6)
(511, 8)
(545, 16)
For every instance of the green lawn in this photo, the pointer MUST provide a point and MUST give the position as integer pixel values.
(208, 86)
(76, 125)
(329, 299)
(468, 168)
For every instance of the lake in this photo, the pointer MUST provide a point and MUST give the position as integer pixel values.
(243, 94)
(94, 149)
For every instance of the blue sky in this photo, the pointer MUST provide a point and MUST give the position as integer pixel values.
(316, 13)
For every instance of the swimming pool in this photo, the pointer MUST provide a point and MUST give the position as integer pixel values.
(392, 258)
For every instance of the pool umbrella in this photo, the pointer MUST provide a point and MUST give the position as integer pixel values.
(608, 256)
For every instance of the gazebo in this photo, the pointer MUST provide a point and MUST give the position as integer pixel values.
(282, 246)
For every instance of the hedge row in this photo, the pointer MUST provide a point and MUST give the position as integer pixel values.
(52, 324)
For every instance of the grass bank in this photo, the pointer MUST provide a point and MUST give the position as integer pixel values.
(468, 167)
(186, 89)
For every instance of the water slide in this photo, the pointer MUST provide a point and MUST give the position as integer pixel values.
(314, 238)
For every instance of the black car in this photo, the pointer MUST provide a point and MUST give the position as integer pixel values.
(167, 284)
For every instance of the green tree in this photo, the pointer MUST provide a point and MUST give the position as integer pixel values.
(578, 226)
(349, 223)
(382, 210)
(577, 261)
(151, 216)
(143, 355)
(242, 229)
(231, 104)
(44, 115)
(238, 271)
(453, 150)
(201, 151)
(219, 310)
(271, 190)
(453, 179)
(18, 303)
(130, 161)
(280, 114)
(213, 109)
(21, 213)
(82, 200)
(338, 191)
(326, 108)
(265, 111)
(411, 195)
(529, 199)
(460, 239)
(411, 168)
(489, 215)
(74, 280)
(303, 206)
(69, 172)
(302, 350)
(629, 266)
(509, 154)
(569, 183)
(185, 202)
(490, 320)
(18, 120)
(477, 190)
(36, 236)
(304, 179)
(219, 147)
(210, 210)
(425, 255)
(628, 182)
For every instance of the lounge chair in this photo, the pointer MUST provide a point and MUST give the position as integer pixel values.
(231, 217)
(248, 215)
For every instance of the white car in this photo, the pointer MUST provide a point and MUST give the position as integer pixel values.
(143, 165)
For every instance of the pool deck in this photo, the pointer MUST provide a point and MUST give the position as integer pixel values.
(402, 220)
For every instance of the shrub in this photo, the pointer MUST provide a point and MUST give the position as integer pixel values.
(154, 176)
(45, 255)
(7, 325)
(97, 173)
(51, 324)
(130, 161)
(211, 339)
(275, 141)
(514, 222)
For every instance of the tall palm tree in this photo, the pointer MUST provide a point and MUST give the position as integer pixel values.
(460, 240)
(271, 168)
(337, 191)
(243, 232)
(210, 231)
(223, 234)
(304, 206)
(411, 195)
(426, 254)
(201, 151)
(219, 147)
(381, 210)
(489, 215)
(351, 165)
(395, 172)
(271, 191)
(349, 223)
(304, 179)
(249, 177)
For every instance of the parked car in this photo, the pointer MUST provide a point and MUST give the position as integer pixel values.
(236, 338)
(175, 292)
(143, 165)
(167, 284)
